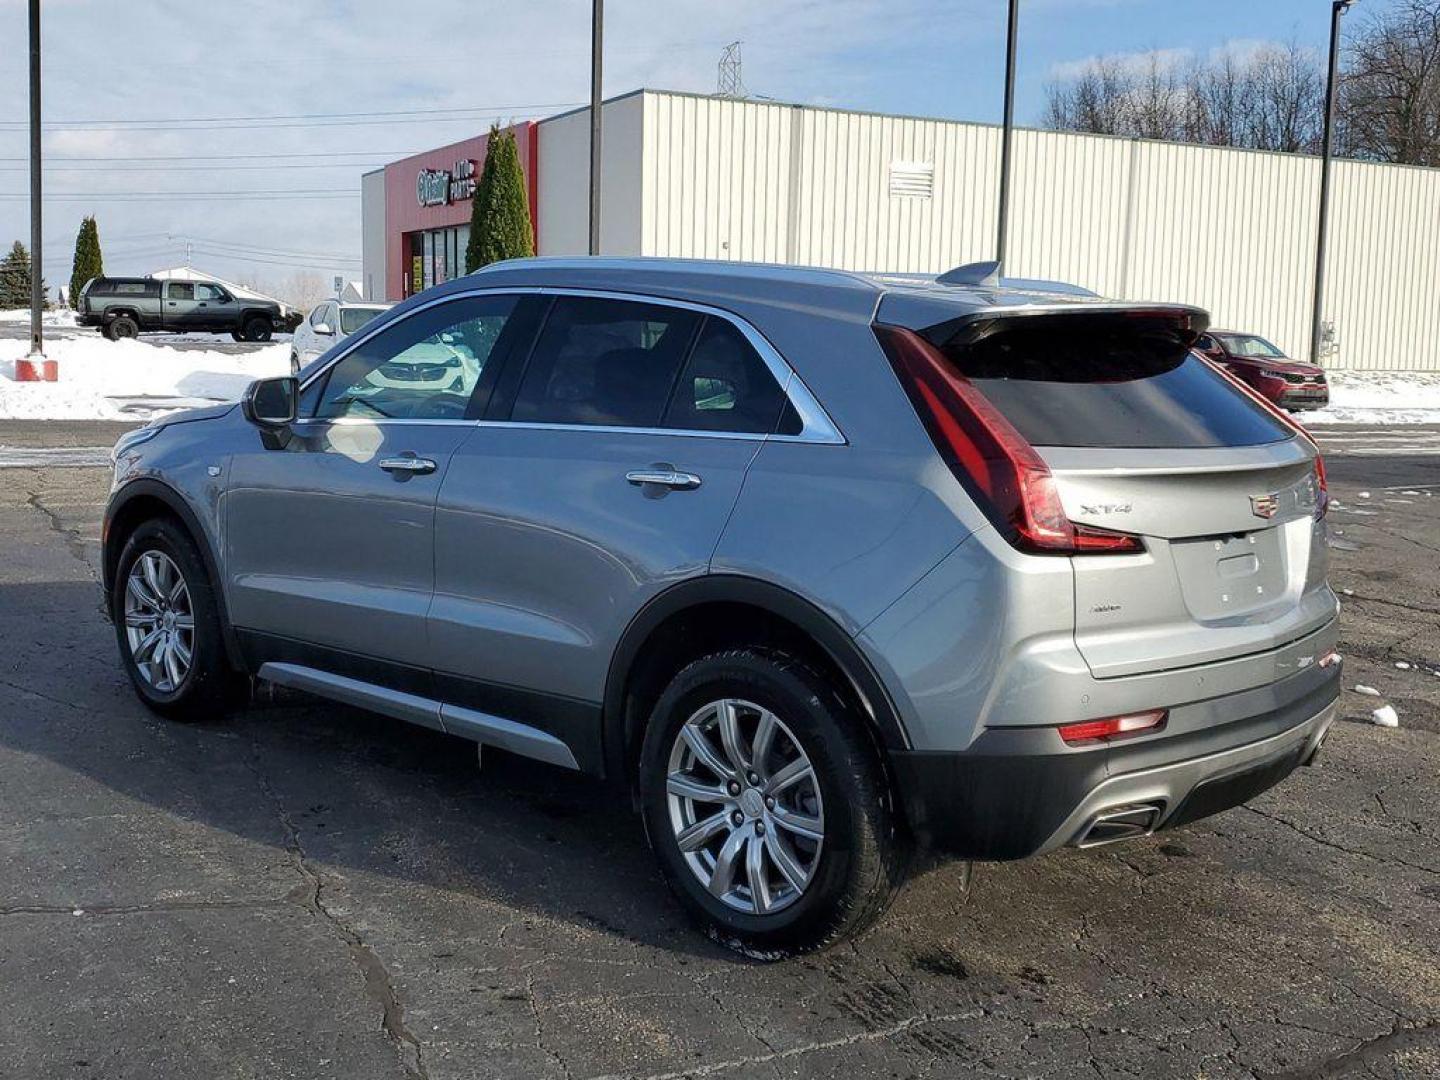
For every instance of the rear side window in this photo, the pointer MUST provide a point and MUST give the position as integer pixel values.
(605, 362)
(727, 387)
(125, 288)
(1104, 381)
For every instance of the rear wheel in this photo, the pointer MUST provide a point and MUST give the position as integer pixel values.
(257, 328)
(121, 326)
(167, 624)
(766, 805)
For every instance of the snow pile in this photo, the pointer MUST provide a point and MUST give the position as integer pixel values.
(1380, 397)
(111, 380)
(1385, 716)
(57, 317)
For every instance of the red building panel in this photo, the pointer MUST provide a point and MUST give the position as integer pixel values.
(405, 213)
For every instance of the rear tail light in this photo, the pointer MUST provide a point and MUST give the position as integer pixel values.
(1090, 732)
(1322, 489)
(1003, 473)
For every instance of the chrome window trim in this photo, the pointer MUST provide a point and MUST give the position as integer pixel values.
(815, 423)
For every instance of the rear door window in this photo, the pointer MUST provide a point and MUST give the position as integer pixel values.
(605, 362)
(180, 290)
(726, 386)
(1104, 381)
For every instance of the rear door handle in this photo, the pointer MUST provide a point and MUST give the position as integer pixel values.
(671, 478)
(410, 464)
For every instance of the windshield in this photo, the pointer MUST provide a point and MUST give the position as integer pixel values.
(1249, 345)
(353, 318)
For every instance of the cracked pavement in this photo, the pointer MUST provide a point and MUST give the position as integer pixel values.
(304, 890)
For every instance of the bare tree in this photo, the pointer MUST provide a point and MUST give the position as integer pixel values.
(1390, 95)
(1266, 100)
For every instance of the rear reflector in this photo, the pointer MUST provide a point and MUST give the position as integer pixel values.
(1114, 727)
(1322, 488)
(1006, 477)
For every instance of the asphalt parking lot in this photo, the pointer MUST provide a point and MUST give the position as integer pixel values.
(303, 890)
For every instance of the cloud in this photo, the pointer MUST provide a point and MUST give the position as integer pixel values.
(1133, 62)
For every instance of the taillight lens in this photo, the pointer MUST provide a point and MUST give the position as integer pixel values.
(1322, 488)
(1110, 728)
(1003, 473)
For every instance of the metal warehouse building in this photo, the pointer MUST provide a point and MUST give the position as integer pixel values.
(715, 178)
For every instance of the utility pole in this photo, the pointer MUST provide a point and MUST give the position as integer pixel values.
(1003, 226)
(597, 34)
(37, 288)
(1337, 9)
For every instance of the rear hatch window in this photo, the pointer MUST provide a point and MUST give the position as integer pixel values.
(1103, 381)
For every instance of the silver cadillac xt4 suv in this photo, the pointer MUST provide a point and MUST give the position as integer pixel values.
(820, 568)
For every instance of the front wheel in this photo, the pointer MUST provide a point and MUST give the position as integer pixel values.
(167, 624)
(766, 805)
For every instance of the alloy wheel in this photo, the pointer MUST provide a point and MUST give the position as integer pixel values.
(159, 621)
(745, 806)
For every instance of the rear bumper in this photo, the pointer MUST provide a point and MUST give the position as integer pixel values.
(1021, 791)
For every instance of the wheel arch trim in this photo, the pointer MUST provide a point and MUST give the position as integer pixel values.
(146, 487)
(840, 648)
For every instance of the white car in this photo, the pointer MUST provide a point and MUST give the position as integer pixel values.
(330, 323)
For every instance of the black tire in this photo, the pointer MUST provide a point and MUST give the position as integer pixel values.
(237, 335)
(862, 860)
(257, 328)
(122, 326)
(209, 687)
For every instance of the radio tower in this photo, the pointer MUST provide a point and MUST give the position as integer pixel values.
(728, 83)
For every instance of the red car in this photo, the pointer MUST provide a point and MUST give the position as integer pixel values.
(1256, 362)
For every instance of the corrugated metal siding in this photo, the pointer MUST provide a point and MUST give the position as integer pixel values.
(1232, 231)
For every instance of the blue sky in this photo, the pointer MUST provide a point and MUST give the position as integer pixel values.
(168, 58)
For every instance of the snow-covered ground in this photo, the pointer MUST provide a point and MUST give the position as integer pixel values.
(1380, 397)
(111, 380)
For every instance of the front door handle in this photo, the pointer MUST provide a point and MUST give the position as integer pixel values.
(417, 466)
(670, 478)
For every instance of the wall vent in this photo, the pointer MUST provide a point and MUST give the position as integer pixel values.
(916, 178)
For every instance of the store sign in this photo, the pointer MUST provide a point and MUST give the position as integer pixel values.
(438, 187)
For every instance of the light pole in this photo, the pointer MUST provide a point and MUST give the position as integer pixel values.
(1337, 9)
(597, 34)
(37, 289)
(1007, 134)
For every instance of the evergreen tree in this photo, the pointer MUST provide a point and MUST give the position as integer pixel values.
(500, 211)
(89, 263)
(15, 279)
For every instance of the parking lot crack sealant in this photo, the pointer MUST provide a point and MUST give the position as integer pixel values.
(310, 894)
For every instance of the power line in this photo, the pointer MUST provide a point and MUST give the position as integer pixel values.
(185, 196)
(108, 168)
(392, 154)
(283, 120)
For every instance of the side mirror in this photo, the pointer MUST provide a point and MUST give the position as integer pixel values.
(271, 404)
(324, 328)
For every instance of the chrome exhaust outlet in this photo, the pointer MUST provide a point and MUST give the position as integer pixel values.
(1120, 823)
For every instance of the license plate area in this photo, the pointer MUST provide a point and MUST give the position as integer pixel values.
(1222, 577)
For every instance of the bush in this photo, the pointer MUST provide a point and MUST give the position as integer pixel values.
(500, 212)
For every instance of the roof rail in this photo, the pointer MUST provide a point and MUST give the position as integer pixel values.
(977, 273)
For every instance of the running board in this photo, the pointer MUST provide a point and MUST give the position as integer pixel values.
(452, 719)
